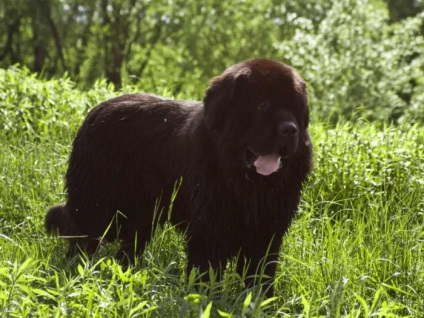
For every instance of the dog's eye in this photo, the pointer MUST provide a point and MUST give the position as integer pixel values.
(263, 106)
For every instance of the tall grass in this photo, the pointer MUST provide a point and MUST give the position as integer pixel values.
(355, 248)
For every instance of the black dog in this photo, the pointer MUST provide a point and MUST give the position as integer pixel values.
(241, 157)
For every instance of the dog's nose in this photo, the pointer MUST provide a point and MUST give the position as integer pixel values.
(287, 128)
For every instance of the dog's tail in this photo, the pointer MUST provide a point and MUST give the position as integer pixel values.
(58, 220)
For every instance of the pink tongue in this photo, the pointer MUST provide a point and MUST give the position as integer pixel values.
(265, 165)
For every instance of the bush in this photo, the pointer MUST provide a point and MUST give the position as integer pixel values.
(358, 65)
(30, 106)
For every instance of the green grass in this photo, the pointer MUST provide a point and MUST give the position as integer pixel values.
(355, 248)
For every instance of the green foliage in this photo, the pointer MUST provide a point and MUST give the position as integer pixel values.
(400, 9)
(357, 65)
(358, 62)
(42, 108)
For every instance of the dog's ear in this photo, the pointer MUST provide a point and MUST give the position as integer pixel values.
(221, 97)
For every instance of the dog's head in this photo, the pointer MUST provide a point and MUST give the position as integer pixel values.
(258, 107)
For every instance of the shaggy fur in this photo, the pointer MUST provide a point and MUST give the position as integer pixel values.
(131, 151)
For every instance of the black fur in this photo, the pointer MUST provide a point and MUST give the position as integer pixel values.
(132, 150)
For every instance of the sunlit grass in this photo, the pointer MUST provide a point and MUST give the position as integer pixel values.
(355, 248)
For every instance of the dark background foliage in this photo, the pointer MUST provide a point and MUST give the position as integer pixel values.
(361, 58)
